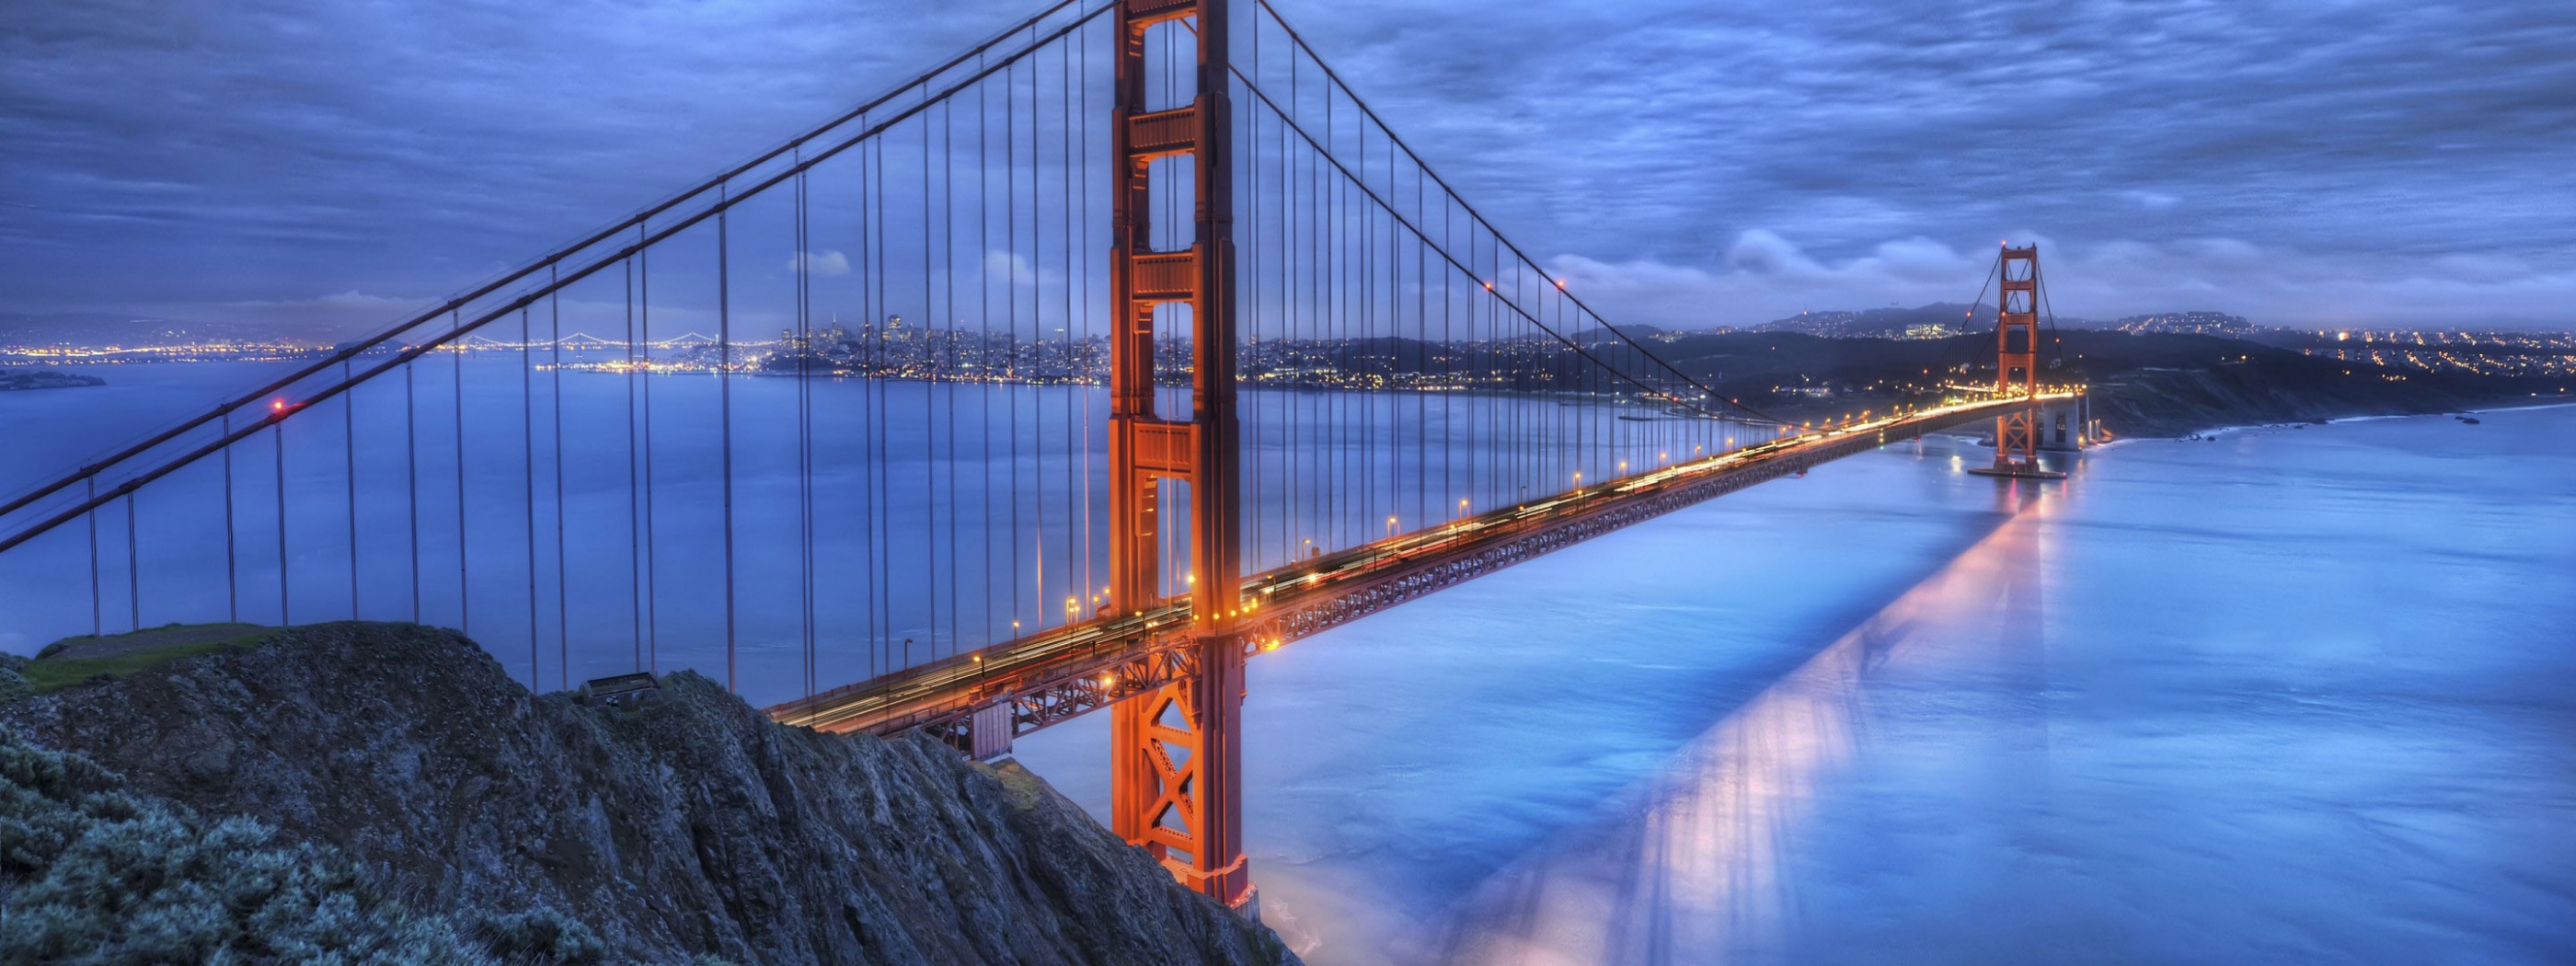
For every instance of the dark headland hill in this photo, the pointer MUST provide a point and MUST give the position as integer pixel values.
(364, 792)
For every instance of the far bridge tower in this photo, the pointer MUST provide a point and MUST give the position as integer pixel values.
(2020, 433)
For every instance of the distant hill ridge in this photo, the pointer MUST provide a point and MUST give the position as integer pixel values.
(1950, 318)
(1892, 322)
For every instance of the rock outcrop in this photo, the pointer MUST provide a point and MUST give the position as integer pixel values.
(683, 825)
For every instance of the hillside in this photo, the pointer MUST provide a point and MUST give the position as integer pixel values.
(1890, 322)
(683, 826)
(2143, 384)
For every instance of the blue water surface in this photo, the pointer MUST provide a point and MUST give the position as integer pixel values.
(2295, 695)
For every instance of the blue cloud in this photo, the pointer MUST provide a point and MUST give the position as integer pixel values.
(2370, 161)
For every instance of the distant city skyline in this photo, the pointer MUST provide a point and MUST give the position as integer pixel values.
(325, 167)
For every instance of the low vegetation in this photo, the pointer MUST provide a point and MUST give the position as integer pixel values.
(75, 660)
(95, 874)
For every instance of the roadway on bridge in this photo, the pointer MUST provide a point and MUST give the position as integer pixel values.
(946, 689)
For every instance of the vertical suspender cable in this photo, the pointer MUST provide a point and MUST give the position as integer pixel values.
(985, 373)
(133, 564)
(411, 476)
(464, 582)
(349, 455)
(528, 478)
(724, 415)
(802, 344)
(879, 471)
(1082, 384)
(285, 612)
(652, 555)
(563, 579)
(870, 496)
(634, 527)
(232, 568)
(925, 359)
(949, 317)
(97, 619)
(1075, 435)
(984, 311)
(804, 427)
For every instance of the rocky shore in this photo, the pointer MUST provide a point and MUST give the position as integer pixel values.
(395, 774)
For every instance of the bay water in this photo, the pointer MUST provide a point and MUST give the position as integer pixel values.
(2286, 695)
(2282, 695)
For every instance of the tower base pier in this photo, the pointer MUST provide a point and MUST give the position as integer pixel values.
(2018, 471)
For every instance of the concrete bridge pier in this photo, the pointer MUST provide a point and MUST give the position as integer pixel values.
(2051, 426)
(2066, 425)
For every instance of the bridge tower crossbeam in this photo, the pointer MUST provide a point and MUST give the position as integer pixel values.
(1176, 783)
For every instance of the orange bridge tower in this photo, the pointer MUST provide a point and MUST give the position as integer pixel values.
(1176, 782)
(2017, 432)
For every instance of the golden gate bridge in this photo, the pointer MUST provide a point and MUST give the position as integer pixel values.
(1170, 352)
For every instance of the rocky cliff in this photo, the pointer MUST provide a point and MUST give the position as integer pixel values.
(681, 826)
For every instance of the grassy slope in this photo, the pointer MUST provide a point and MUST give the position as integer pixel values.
(73, 660)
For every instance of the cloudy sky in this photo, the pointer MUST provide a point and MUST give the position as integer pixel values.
(1687, 162)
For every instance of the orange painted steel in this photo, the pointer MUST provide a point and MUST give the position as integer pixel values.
(2017, 359)
(1176, 783)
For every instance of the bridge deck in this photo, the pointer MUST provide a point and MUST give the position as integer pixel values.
(1060, 673)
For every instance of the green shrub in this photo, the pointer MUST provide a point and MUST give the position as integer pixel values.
(95, 875)
(14, 684)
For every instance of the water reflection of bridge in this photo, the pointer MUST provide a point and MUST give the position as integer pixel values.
(1696, 865)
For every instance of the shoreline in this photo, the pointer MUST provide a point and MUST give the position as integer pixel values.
(1980, 438)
